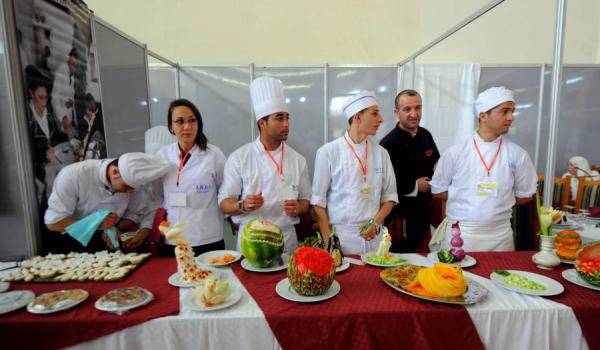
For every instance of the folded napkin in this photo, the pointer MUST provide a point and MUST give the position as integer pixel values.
(83, 230)
(594, 212)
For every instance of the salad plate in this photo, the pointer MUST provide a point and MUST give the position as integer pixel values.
(219, 258)
(193, 303)
(283, 264)
(527, 283)
(123, 299)
(285, 290)
(468, 261)
(572, 276)
(373, 259)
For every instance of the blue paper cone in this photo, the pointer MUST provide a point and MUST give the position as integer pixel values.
(83, 229)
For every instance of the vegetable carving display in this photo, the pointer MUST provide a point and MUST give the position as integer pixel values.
(440, 281)
(567, 243)
(588, 263)
(311, 271)
(262, 243)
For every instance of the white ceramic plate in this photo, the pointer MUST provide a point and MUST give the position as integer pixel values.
(552, 287)
(468, 261)
(475, 293)
(572, 276)
(561, 227)
(100, 304)
(13, 300)
(190, 300)
(569, 262)
(175, 281)
(4, 286)
(203, 258)
(285, 290)
(591, 218)
(60, 306)
(343, 267)
(286, 259)
(365, 258)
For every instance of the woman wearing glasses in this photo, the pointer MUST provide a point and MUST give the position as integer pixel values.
(189, 190)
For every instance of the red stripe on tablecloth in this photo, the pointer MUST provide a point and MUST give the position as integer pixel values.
(23, 330)
(585, 302)
(367, 314)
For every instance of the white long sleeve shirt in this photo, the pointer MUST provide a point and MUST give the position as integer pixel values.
(338, 180)
(460, 170)
(82, 188)
(249, 170)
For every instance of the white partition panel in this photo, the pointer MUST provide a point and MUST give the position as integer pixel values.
(346, 81)
(223, 98)
(304, 89)
(163, 90)
(124, 87)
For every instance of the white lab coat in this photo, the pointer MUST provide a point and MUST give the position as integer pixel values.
(338, 181)
(82, 188)
(460, 169)
(249, 170)
(199, 180)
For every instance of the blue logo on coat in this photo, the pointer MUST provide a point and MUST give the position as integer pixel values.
(202, 188)
(379, 170)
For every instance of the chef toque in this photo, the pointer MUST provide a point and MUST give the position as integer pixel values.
(267, 97)
(139, 168)
(492, 97)
(358, 102)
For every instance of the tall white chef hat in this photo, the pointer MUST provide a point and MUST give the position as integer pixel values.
(139, 168)
(492, 97)
(358, 102)
(267, 97)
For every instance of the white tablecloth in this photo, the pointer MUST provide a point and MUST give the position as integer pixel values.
(505, 320)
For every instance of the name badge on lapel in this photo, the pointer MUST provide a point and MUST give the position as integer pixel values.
(487, 189)
(366, 192)
(177, 199)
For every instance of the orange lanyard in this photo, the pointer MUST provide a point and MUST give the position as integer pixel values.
(363, 163)
(278, 167)
(487, 168)
(183, 158)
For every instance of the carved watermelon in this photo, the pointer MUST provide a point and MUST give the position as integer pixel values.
(311, 271)
(262, 243)
(588, 263)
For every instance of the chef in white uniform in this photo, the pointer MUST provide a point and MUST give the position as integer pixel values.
(354, 186)
(85, 187)
(189, 191)
(267, 178)
(484, 176)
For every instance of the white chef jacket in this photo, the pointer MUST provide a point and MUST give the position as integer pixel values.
(63, 89)
(199, 180)
(460, 169)
(41, 121)
(338, 181)
(249, 170)
(82, 188)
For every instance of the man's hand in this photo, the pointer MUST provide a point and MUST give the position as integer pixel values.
(136, 240)
(109, 221)
(369, 233)
(291, 207)
(423, 184)
(253, 202)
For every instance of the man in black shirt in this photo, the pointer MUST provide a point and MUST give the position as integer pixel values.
(414, 155)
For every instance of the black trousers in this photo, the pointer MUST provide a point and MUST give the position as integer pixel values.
(411, 221)
(169, 250)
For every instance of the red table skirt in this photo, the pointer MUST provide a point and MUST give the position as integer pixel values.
(23, 330)
(366, 314)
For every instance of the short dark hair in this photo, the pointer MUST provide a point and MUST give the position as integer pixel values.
(266, 119)
(201, 139)
(90, 103)
(407, 92)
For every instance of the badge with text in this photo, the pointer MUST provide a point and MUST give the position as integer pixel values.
(487, 189)
(177, 199)
(366, 192)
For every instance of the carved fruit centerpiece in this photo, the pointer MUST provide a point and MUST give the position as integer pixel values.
(567, 243)
(311, 271)
(262, 243)
(588, 263)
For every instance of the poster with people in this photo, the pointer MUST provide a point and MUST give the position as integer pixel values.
(62, 93)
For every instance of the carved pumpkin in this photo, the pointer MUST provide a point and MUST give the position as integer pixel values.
(567, 242)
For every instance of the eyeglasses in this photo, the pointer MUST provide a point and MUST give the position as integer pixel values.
(181, 122)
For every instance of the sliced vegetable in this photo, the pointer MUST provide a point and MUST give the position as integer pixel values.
(445, 256)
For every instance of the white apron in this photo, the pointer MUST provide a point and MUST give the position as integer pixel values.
(352, 242)
(478, 237)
